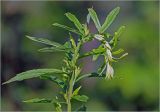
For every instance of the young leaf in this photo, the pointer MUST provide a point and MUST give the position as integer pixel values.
(76, 22)
(110, 18)
(66, 28)
(38, 100)
(76, 91)
(94, 18)
(32, 74)
(116, 35)
(45, 41)
(82, 98)
(118, 51)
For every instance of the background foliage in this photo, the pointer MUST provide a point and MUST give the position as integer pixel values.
(135, 86)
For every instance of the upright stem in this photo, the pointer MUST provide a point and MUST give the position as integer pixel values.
(73, 78)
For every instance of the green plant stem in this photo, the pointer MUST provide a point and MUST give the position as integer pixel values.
(73, 77)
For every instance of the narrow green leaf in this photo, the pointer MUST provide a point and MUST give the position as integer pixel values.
(66, 28)
(38, 100)
(52, 49)
(110, 18)
(96, 51)
(45, 41)
(94, 18)
(116, 35)
(90, 75)
(33, 73)
(118, 51)
(76, 91)
(76, 22)
(124, 55)
(82, 98)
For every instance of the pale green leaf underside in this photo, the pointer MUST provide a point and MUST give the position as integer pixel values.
(38, 100)
(66, 28)
(76, 22)
(94, 18)
(33, 73)
(45, 41)
(82, 98)
(110, 18)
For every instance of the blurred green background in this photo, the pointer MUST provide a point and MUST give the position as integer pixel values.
(136, 82)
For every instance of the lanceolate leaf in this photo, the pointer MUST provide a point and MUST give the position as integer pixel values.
(53, 49)
(66, 28)
(118, 51)
(38, 100)
(116, 35)
(110, 18)
(33, 73)
(94, 18)
(82, 98)
(90, 75)
(76, 91)
(76, 22)
(45, 41)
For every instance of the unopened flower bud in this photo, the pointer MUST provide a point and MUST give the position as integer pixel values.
(109, 71)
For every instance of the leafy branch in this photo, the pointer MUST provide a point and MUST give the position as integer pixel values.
(70, 73)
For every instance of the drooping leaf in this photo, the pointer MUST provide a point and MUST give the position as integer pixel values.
(110, 18)
(33, 73)
(76, 22)
(38, 100)
(66, 28)
(82, 98)
(83, 108)
(76, 91)
(94, 18)
(118, 51)
(52, 49)
(45, 41)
